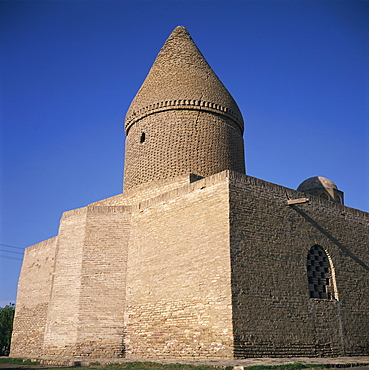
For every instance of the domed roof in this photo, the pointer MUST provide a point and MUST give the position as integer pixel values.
(181, 77)
(317, 182)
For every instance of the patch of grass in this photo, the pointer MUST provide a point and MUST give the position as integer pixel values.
(17, 361)
(156, 366)
(294, 366)
(30, 362)
(9, 360)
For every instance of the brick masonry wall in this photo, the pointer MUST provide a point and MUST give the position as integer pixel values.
(151, 190)
(103, 285)
(85, 317)
(178, 278)
(33, 297)
(273, 312)
(215, 268)
(179, 142)
(63, 316)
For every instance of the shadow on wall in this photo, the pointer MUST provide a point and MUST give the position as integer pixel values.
(330, 237)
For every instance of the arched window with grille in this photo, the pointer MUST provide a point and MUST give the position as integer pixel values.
(321, 277)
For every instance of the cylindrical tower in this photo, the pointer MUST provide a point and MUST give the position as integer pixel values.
(182, 120)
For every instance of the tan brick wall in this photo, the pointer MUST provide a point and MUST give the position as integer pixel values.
(180, 142)
(33, 298)
(62, 321)
(103, 285)
(182, 267)
(178, 280)
(182, 120)
(273, 312)
(144, 192)
(215, 268)
(85, 316)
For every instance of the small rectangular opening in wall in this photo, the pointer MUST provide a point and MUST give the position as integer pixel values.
(194, 177)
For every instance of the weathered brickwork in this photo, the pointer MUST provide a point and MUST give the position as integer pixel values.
(183, 120)
(179, 296)
(91, 267)
(144, 192)
(181, 78)
(200, 143)
(195, 259)
(62, 321)
(103, 285)
(270, 242)
(215, 268)
(33, 298)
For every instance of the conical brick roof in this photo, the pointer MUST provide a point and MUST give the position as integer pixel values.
(181, 78)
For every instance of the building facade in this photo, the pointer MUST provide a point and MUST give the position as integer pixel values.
(195, 258)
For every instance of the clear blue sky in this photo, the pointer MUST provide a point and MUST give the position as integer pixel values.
(298, 70)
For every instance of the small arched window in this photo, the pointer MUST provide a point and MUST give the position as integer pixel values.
(321, 278)
(324, 196)
(338, 199)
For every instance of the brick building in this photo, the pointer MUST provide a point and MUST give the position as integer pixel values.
(195, 258)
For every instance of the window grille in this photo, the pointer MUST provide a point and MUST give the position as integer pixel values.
(319, 274)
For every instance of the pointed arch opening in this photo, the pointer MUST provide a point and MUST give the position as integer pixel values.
(321, 275)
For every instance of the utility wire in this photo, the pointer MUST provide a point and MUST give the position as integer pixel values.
(4, 250)
(12, 258)
(11, 246)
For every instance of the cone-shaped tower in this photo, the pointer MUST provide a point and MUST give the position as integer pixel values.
(182, 120)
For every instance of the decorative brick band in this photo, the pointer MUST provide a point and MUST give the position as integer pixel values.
(183, 104)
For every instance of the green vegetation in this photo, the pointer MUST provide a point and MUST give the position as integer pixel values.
(155, 366)
(6, 328)
(294, 366)
(17, 361)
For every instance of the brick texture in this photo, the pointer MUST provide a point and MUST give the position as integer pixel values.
(195, 259)
(179, 296)
(62, 322)
(33, 298)
(182, 120)
(200, 143)
(270, 242)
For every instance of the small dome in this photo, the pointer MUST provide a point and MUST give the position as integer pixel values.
(317, 182)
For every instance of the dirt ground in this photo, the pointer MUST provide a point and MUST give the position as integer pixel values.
(22, 367)
(348, 363)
